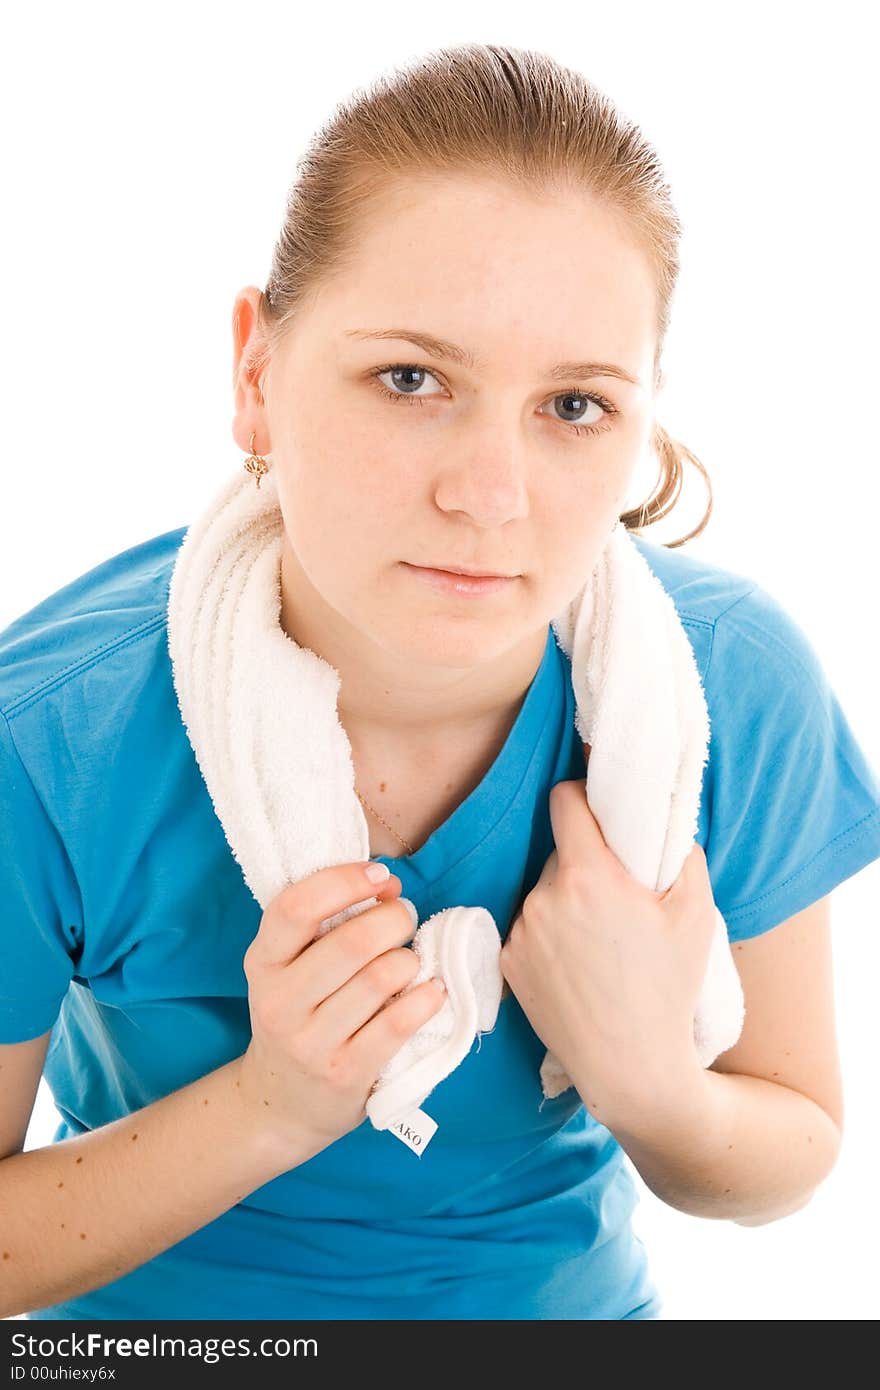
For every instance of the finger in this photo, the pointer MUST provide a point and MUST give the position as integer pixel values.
(385, 1033)
(576, 831)
(357, 998)
(291, 920)
(546, 879)
(692, 870)
(334, 958)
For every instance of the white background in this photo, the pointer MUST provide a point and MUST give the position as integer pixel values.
(147, 155)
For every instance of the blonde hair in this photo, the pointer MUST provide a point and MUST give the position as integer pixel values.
(491, 111)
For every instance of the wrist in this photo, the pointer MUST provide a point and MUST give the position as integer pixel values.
(668, 1090)
(273, 1152)
(681, 1117)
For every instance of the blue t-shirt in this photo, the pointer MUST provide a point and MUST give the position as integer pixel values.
(125, 919)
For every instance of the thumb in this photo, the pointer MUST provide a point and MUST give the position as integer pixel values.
(576, 832)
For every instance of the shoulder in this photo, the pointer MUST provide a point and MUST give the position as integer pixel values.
(701, 590)
(86, 682)
(745, 627)
(790, 803)
(704, 593)
(81, 750)
(119, 605)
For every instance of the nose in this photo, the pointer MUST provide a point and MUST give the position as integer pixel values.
(488, 483)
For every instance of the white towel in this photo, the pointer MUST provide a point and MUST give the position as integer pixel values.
(261, 715)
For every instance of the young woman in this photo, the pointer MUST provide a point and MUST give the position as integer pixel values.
(454, 366)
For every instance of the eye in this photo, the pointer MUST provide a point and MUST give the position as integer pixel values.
(402, 374)
(600, 423)
(403, 371)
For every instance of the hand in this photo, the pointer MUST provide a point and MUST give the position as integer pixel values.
(608, 971)
(325, 1013)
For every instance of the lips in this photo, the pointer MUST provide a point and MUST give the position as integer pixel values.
(454, 583)
(471, 574)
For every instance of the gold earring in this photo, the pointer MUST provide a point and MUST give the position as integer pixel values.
(254, 463)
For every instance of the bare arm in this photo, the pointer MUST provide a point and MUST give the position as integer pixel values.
(752, 1137)
(737, 1148)
(83, 1212)
(326, 1016)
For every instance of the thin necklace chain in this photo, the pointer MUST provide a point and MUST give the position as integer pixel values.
(409, 849)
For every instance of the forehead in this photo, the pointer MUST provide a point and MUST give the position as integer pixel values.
(494, 268)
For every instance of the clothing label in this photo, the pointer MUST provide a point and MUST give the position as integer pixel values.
(416, 1129)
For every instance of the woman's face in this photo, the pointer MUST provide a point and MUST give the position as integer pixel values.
(458, 463)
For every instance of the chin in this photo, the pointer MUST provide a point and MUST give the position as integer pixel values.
(452, 640)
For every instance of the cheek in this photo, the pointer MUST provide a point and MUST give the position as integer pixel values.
(345, 526)
(587, 505)
(573, 527)
(333, 499)
(574, 516)
(361, 481)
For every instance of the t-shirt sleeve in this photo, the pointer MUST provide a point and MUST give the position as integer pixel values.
(792, 803)
(37, 943)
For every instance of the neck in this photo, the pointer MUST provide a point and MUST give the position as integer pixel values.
(389, 696)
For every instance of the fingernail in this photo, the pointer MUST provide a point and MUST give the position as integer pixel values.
(377, 873)
(438, 980)
(411, 909)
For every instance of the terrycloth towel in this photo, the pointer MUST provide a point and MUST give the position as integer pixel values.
(261, 715)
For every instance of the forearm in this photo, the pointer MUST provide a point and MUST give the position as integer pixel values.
(85, 1211)
(729, 1146)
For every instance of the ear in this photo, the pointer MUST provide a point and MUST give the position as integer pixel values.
(249, 364)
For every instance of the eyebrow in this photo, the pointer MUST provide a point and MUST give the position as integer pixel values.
(441, 347)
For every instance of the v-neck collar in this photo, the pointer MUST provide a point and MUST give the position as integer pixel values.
(487, 804)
